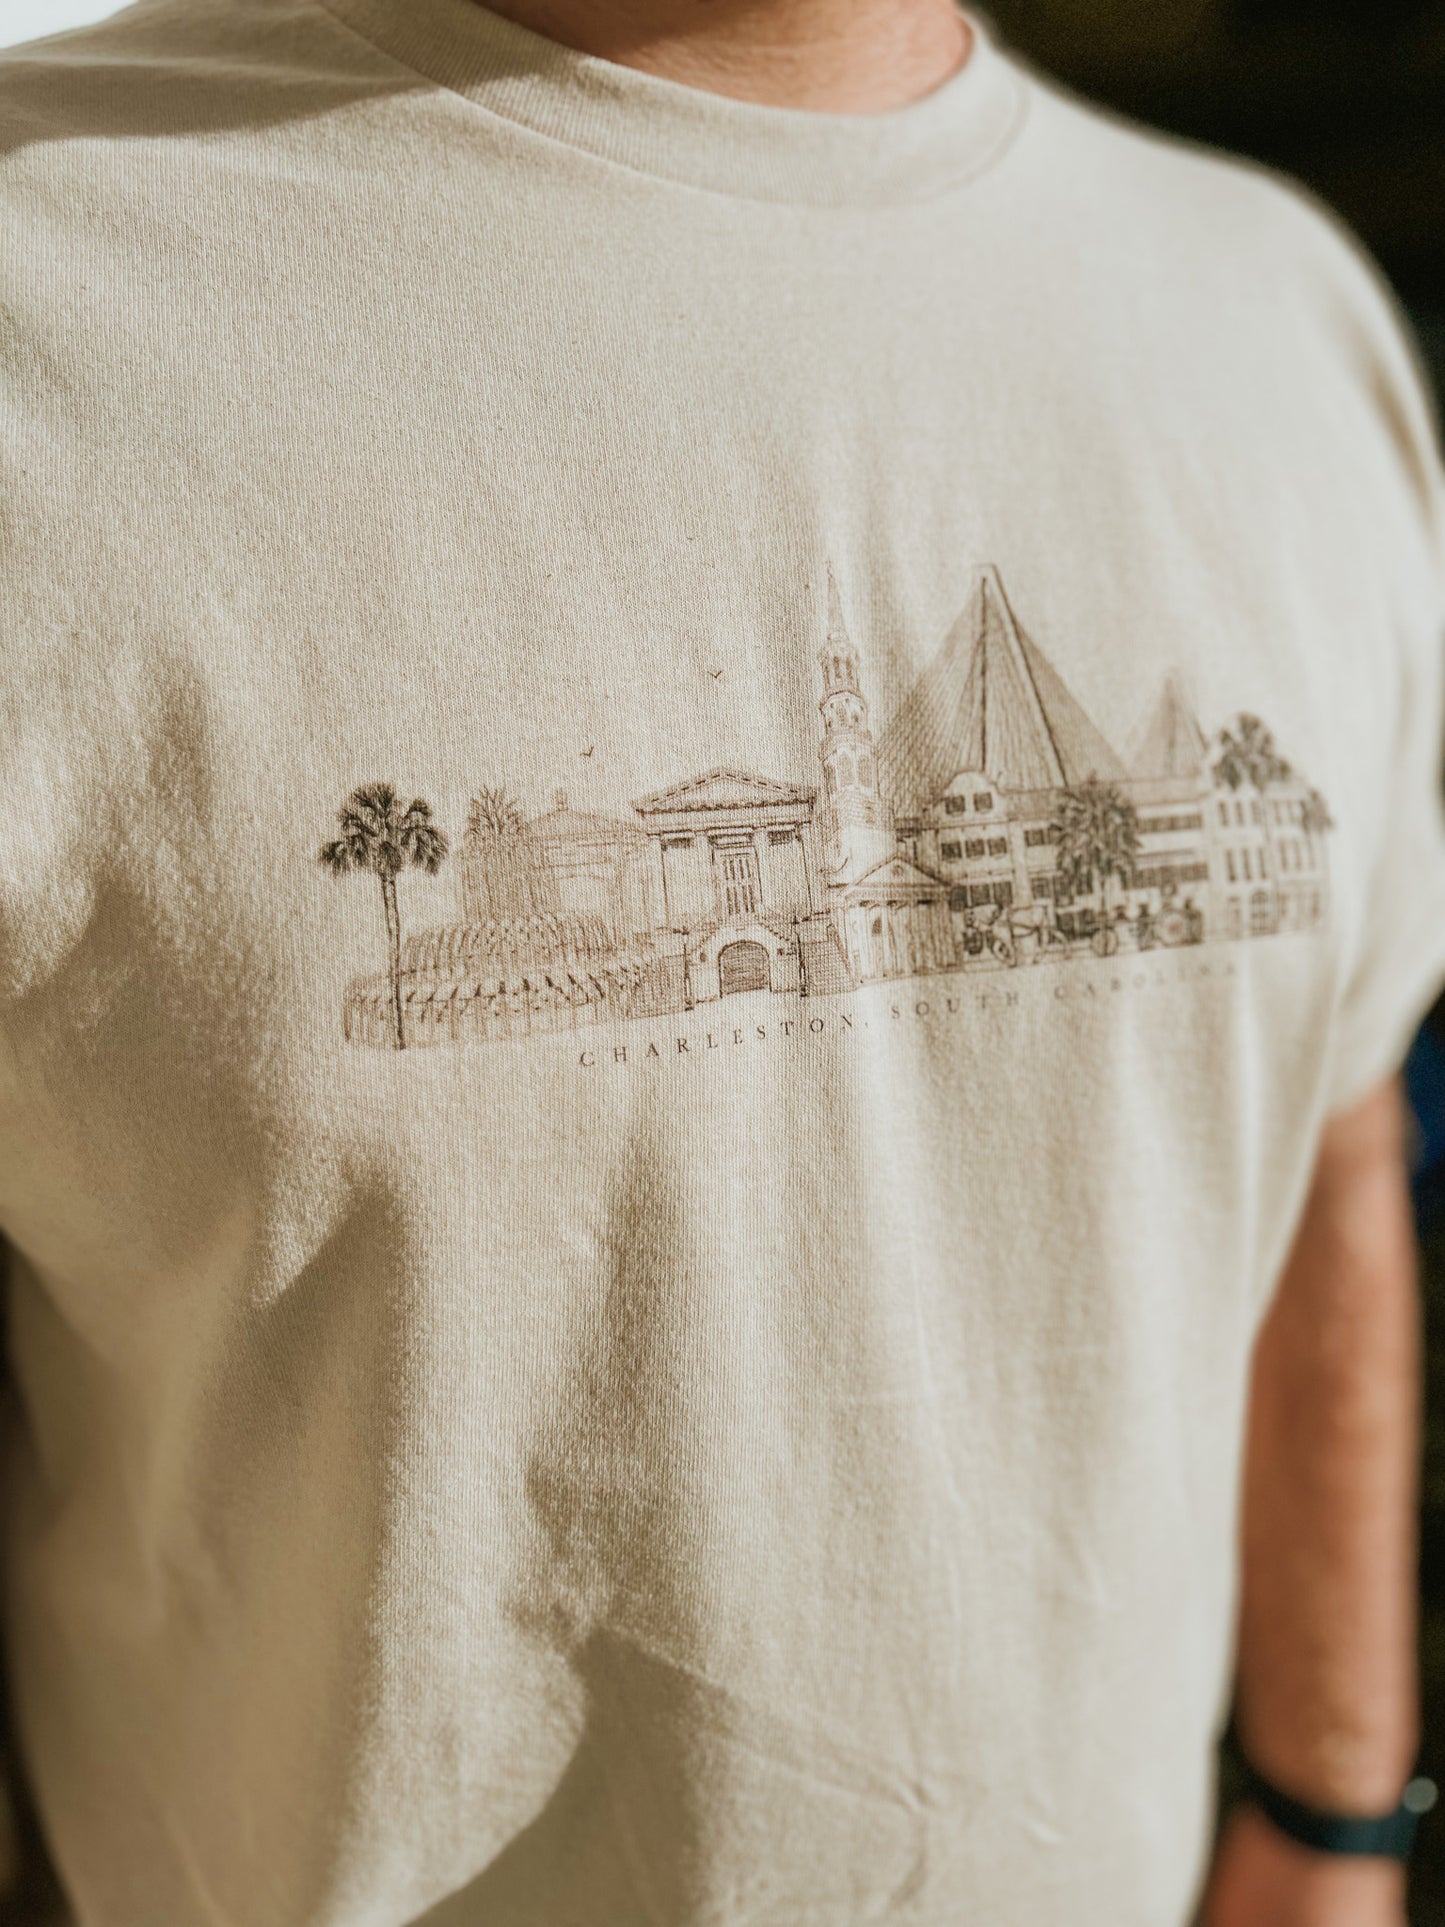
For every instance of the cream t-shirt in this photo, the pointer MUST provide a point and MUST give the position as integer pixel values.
(863, 696)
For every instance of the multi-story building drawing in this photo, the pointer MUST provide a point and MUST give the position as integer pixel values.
(1270, 854)
(989, 822)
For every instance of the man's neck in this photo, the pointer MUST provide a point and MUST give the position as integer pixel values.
(830, 56)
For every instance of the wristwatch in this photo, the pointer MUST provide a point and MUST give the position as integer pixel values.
(1387, 1836)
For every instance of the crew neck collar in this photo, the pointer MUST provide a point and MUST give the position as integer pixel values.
(702, 140)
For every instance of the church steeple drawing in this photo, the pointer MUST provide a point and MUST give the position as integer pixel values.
(856, 824)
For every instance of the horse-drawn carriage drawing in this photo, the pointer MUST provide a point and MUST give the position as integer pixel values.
(1027, 933)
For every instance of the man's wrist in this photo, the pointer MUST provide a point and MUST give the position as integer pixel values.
(1262, 1878)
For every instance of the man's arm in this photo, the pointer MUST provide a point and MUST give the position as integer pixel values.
(1327, 1693)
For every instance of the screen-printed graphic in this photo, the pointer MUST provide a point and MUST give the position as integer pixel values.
(990, 824)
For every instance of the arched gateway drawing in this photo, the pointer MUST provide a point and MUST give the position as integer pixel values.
(743, 964)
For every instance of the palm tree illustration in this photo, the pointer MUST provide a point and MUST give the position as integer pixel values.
(501, 878)
(494, 813)
(1247, 756)
(384, 838)
(1096, 832)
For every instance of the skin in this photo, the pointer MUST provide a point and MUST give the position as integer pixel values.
(1327, 1701)
(830, 56)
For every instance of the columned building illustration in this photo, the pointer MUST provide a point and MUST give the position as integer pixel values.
(730, 844)
(735, 872)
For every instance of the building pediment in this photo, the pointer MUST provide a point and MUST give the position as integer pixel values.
(896, 873)
(724, 789)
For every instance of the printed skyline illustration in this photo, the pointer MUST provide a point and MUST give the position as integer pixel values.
(989, 825)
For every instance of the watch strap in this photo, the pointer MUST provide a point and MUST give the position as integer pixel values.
(1388, 1836)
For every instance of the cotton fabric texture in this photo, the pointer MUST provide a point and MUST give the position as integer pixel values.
(862, 697)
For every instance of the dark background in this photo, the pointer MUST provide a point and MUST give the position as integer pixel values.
(1349, 97)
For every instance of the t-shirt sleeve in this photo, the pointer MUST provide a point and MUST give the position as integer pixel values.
(1399, 965)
